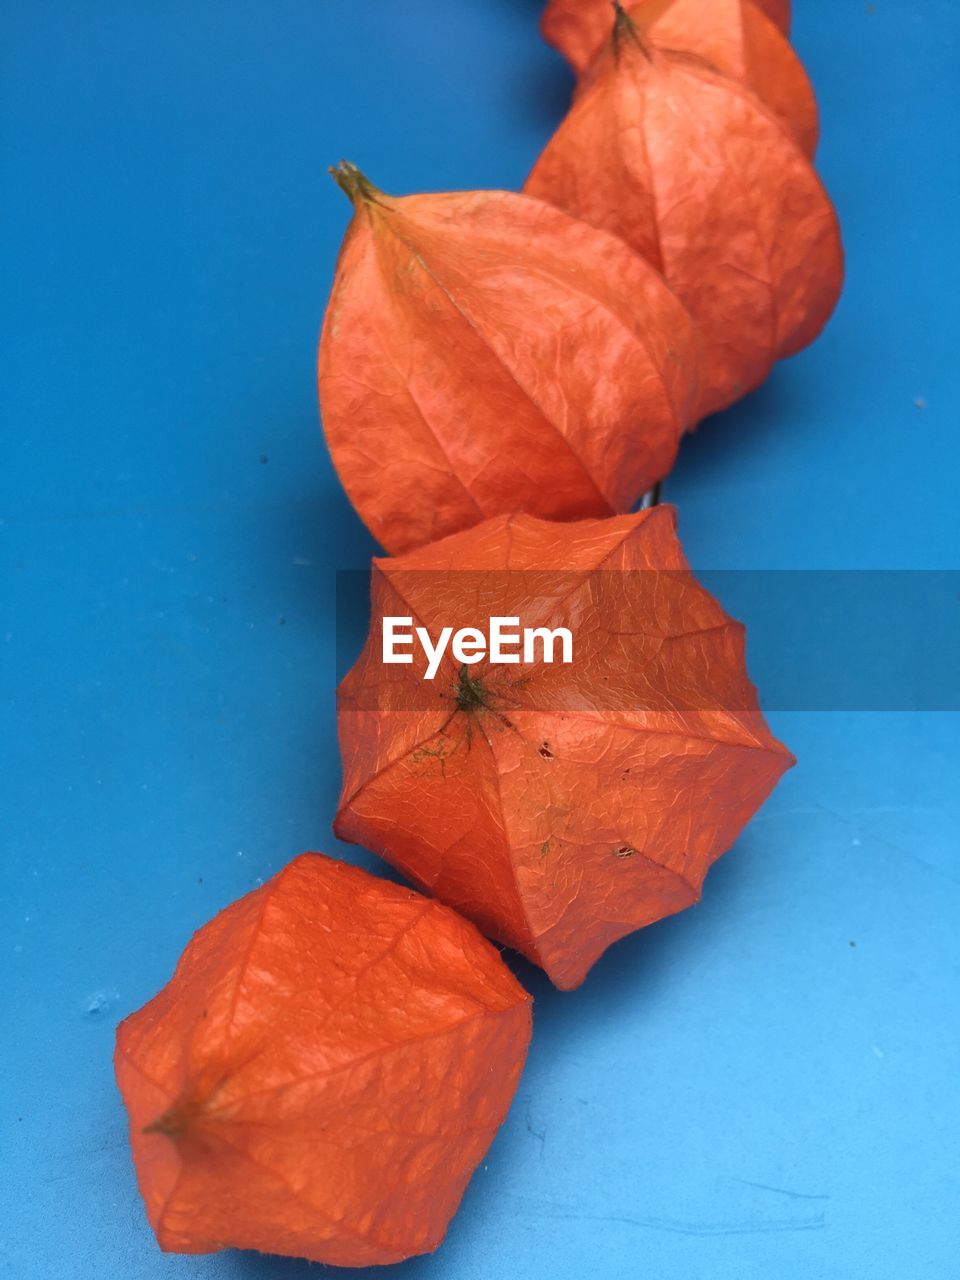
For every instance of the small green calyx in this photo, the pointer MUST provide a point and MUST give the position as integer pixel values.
(173, 1122)
(179, 1119)
(355, 185)
(470, 693)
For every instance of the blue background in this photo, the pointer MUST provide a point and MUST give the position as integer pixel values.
(765, 1086)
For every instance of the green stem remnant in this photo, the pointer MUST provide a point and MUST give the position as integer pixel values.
(175, 1120)
(358, 188)
(624, 28)
(470, 693)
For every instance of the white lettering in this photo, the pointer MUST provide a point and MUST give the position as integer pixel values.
(547, 637)
(499, 637)
(434, 652)
(391, 639)
(470, 645)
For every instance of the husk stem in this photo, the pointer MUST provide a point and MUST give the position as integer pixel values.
(356, 186)
(624, 28)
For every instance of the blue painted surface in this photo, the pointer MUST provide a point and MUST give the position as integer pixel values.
(738, 1092)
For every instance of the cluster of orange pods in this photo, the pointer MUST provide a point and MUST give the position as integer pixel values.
(502, 377)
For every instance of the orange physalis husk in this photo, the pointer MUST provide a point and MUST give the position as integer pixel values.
(777, 11)
(560, 806)
(578, 28)
(484, 353)
(734, 36)
(322, 1074)
(697, 176)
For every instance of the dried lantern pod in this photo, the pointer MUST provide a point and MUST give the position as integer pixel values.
(579, 28)
(697, 176)
(778, 11)
(560, 806)
(736, 37)
(484, 353)
(322, 1074)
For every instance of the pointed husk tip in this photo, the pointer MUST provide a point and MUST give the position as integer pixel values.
(355, 185)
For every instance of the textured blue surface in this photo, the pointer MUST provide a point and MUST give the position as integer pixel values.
(766, 1086)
